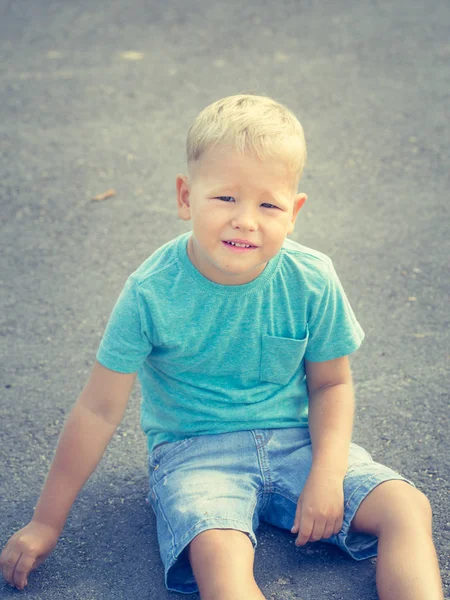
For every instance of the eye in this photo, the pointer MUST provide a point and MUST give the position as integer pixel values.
(267, 205)
(225, 198)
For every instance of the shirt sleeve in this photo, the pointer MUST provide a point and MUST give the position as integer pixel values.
(333, 328)
(126, 342)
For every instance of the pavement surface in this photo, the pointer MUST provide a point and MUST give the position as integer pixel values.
(99, 95)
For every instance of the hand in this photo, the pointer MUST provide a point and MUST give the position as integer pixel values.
(320, 508)
(25, 551)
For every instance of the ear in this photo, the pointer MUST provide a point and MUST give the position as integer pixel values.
(183, 190)
(299, 201)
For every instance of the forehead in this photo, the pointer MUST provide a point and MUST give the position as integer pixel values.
(225, 166)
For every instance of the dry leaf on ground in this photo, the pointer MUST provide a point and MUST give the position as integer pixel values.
(108, 194)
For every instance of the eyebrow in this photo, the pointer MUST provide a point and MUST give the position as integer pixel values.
(219, 191)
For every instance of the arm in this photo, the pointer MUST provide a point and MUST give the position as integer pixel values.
(331, 408)
(87, 432)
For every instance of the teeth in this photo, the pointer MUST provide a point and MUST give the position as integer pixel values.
(239, 245)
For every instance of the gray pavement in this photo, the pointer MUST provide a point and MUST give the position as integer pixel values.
(370, 81)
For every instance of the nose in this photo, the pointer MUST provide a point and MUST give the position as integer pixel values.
(244, 219)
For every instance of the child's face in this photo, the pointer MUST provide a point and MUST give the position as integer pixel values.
(231, 197)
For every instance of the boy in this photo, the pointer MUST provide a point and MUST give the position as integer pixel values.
(241, 340)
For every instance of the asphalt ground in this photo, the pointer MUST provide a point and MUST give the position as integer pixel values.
(99, 95)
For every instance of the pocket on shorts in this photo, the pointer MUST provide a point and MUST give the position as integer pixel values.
(163, 453)
(281, 358)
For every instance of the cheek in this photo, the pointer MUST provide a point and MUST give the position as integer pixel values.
(276, 228)
(202, 220)
(210, 213)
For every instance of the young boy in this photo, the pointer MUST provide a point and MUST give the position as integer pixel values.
(241, 341)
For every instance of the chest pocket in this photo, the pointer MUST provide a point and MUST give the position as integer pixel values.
(281, 358)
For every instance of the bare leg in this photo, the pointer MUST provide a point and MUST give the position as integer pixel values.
(222, 561)
(407, 566)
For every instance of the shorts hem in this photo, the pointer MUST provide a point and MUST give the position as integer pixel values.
(203, 525)
(368, 544)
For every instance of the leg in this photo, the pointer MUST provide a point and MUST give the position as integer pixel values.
(407, 566)
(222, 561)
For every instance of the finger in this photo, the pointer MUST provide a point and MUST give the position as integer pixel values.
(329, 529)
(7, 567)
(10, 565)
(23, 568)
(318, 529)
(338, 524)
(296, 525)
(298, 516)
(305, 530)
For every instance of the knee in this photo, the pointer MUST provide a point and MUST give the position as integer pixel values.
(222, 562)
(422, 504)
(216, 549)
(409, 507)
(394, 506)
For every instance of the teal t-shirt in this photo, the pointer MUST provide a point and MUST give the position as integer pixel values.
(213, 358)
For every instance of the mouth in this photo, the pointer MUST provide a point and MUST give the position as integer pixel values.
(240, 243)
(238, 246)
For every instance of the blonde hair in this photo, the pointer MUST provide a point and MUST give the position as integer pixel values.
(251, 124)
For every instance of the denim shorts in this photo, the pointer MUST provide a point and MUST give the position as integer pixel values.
(234, 480)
